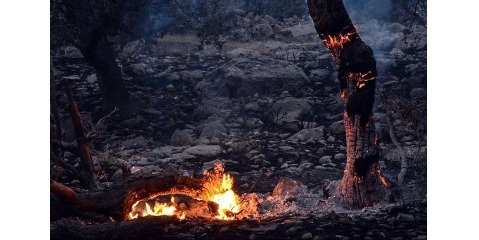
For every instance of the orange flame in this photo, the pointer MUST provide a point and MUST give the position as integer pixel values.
(361, 78)
(227, 200)
(337, 42)
(217, 188)
(159, 209)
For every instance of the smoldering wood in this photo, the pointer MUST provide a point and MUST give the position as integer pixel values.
(357, 74)
(117, 201)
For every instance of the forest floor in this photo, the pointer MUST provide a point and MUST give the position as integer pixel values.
(267, 109)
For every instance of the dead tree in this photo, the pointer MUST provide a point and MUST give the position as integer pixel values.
(357, 75)
(87, 174)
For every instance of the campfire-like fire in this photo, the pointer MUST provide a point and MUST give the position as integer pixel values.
(217, 192)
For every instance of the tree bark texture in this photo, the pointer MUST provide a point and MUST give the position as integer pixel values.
(101, 56)
(357, 75)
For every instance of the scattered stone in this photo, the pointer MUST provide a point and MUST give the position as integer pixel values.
(292, 230)
(289, 187)
(253, 123)
(288, 110)
(307, 236)
(405, 217)
(286, 148)
(133, 48)
(91, 78)
(309, 135)
(214, 129)
(340, 157)
(337, 127)
(325, 160)
(117, 175)
(181, 138)
(204, 150)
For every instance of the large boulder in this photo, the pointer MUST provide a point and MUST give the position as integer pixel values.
(309, 135)
(181, 138)
(243, 77)
(286, 112)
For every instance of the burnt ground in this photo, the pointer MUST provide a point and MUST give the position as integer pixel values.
(267, 109)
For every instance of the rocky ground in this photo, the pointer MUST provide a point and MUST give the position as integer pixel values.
(267, 106)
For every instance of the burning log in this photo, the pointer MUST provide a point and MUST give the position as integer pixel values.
(210, 196)
(357, 75)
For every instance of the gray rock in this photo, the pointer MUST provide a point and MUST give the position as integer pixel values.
(325, 160)
(340, 157)
(319, 74)
(181, 156)
(307, 236)
(237, 52)
(218, 108)
(262, 31)
(117, 175)
(309, 135)
(91, 78)
(286, 148)
(141, 69)
(68, 52)
(288, 187)
(405, 217)
(165, 151)
(253, 123)
(202, 141)
(204, 150)
(170, 87)
(418, 95)
(288, 110)
(192, 76)
(181, 138)
(133, 48)
(135, 143)
(243, 146)
(292, 230)
(337, 128)
(214, 129)
(241, 35)
(252, 107)
(243, 77)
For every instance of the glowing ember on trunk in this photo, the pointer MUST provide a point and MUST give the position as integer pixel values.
(337, 42)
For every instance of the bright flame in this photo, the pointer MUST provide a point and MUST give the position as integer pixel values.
(217, 188)
(227, 200)
(337, 42)
(361, 78)
(159, 209)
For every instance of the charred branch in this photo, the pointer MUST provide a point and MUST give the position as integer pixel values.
(87, 174)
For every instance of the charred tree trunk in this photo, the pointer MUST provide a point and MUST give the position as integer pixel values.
(91, 22)
(101, 56)
(87, 174)
(360, 185)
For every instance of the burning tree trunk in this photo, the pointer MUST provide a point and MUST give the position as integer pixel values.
(360, 185)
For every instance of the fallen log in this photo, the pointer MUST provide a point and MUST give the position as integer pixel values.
(117, 201)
